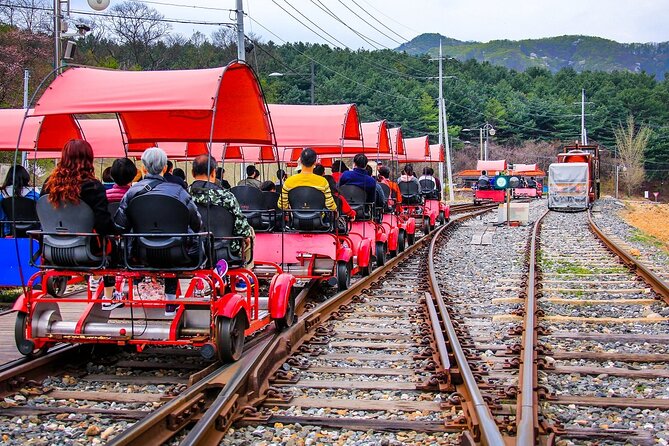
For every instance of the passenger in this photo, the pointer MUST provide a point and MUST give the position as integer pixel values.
(338, 167)
(342, 205)
(483, 181)
(532, 182)
(154, 162)
(379, 190)
(171, 178)
(73, 181)
(384, 177)
(319, 169)
(281, 176)
(251, 179)
(220, 180)
(268, 186)
(179, 173)
(205, 191)
(408, 175)
(107, 180)
(428, 174)
(361, 178)
(307, 178)
(123, 170)
(17, 184)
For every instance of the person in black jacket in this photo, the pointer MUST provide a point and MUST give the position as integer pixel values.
(73, 181)
(171, 178)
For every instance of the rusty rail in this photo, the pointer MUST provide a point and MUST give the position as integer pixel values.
(658, 285)
(488, 431)
(527, 422)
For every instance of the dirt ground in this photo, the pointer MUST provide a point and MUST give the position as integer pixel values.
(652, 219)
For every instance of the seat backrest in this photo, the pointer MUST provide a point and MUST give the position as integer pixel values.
(307, 206)
(357, 199)
(273, 214)
(271, 200)
(386, 190)
(428, 188)
(408, 188)
(483, 183)
(252, 202)
(64, 248)
(157, 214)
(22, 213)
(221, 223)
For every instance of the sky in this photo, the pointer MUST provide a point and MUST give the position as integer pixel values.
(400, 20)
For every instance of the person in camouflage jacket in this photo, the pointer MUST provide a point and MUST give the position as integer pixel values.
(205, 191)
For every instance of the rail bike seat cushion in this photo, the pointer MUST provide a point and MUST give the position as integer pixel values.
(410, 192)
(272, 215)
(67, 249)
(153, 215)
(428, 189)
(308, 210)
(21, 215)
(252, 203)
(220, 222)
(357, 199)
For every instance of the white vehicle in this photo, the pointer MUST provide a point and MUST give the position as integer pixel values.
(568, 186)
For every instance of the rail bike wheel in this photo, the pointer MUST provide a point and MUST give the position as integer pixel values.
(289, 318)
(380, 254)
(442, 218)
(343, 276)
(411, 238)
(401, 241)
(426, 225)
(24, 345)
(230, 337)
(56, 285)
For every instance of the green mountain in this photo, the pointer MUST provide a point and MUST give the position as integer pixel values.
(582, 53)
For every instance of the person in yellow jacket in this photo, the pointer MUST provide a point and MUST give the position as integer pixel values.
(307, 178)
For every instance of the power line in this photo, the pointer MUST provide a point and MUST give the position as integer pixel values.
(390, 18)
(180, 5)
(307, 26)
(327, 10)
(369, 24)
(383, 24)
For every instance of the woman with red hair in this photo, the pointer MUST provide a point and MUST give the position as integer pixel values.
(73, 181)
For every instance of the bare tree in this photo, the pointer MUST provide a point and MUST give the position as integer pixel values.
(140, 28)
(31, 15)
(631, 144)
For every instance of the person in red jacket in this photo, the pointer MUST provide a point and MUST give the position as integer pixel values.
(123, 171)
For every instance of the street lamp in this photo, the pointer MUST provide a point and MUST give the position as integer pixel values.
(488, 130)
(312, 79)
(619, 167)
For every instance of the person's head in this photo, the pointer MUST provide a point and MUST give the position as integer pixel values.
(308, 157)
(369, 170)
(332, 183)
(106, 176)
(204, 168)
(484, 172)
(154, 161)
(319, 169)
(17, 177)
(75, 167)
(170, 165)
(219, 173)
(179, 173)
(281, 174)
(384, 172)
(268, 186)
(408, 169)
(428, 171)
(532, 178)
(360, 161)
(123, 171)
(256, 174)
(250, 171)
(339, 166)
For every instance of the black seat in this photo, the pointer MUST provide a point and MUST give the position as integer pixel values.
(21, 215)
(483, 184)
(388, 194)
(357, 199)
(220, 222)
(428, 189)
(151, 215)
(272, 214)
(410, 192)
(308, 211)
(252, 203)
(68, 240)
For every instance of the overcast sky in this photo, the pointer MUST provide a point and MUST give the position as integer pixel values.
(482, 20)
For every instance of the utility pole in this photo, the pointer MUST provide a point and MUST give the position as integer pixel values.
(313, 83)
(451, 193)
(481, 141)
(56, 34)
(241, 47)
(584, 135)
(26, 80)
(441, 110)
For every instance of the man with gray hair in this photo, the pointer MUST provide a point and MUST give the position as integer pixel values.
(154, 165)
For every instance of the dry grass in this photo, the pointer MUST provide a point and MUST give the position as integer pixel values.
(651, 220)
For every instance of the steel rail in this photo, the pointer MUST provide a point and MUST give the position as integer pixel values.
(658, 285)
(527, 422)
(488, 429)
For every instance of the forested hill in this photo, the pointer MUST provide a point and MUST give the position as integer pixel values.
(582, 53)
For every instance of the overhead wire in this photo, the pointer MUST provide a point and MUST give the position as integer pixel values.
(404, 39)
(327, 10)
(369, 24)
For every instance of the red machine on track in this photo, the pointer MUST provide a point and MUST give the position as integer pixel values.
(483, 193)
(221, 303)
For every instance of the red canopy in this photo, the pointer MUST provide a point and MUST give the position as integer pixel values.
(397, 140)
(417, 149)
(436, 153)
(374, 140)
(10, 125)
(491, 165)
(217, 104)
